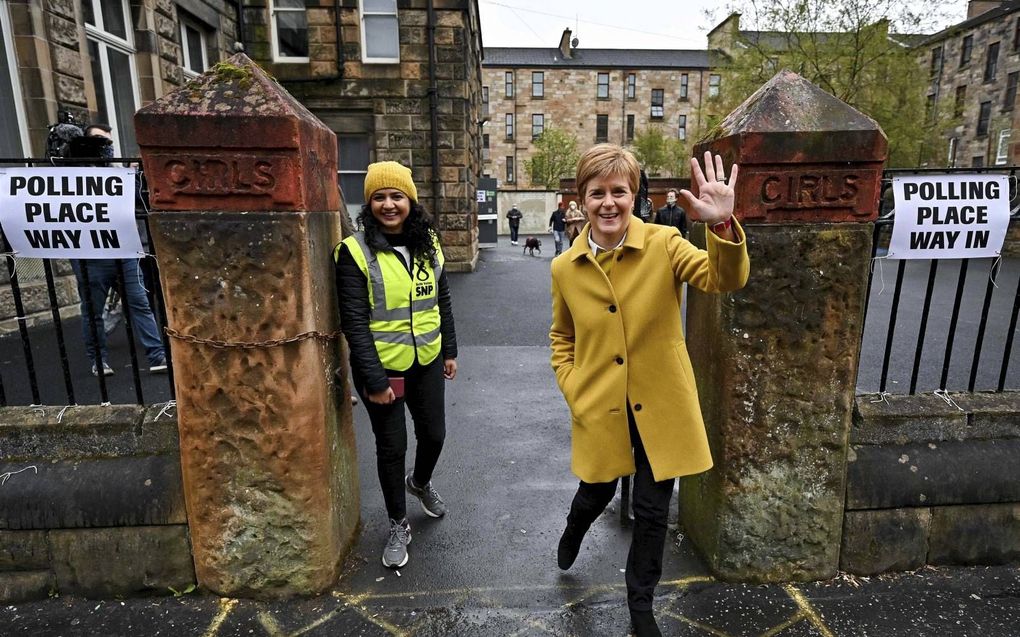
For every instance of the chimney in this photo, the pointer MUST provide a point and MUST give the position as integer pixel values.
(565, 52)
(977, 7)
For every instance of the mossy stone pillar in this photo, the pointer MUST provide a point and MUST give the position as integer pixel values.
(776, 362)
(244, 217)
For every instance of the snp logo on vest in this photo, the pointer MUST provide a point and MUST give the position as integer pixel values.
(424, 286)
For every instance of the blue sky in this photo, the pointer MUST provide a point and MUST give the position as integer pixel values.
(612, 24)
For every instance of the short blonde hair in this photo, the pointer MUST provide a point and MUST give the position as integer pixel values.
(603, 160)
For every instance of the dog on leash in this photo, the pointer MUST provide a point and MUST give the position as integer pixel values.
(532, 244)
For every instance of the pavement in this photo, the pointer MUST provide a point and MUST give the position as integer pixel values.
(488, 567)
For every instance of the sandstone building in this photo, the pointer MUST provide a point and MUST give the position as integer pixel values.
(975, 70)
(597, 95)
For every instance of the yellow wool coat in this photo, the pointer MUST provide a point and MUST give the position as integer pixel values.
(618, 338)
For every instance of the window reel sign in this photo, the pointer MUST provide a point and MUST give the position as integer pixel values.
(70, 212)
(949, 216)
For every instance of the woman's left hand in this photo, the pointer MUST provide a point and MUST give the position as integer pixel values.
(449, 369)
(714, 203)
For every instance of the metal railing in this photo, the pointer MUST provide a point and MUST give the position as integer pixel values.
(916, 339)
(38, 383)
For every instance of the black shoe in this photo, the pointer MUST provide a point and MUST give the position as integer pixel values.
(643, 623)
(569, 547)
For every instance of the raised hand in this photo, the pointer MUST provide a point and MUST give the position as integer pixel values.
(715, 192)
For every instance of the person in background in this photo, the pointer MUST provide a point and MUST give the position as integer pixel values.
(672, 214)
(575, 221)
(621, 362)
(396, 313)
(558, 226)
(97, 143)
(513, 219)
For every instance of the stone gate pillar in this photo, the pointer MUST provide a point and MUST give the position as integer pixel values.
(777, 361)
(244, 216)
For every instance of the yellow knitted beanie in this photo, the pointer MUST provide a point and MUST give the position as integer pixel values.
(389, 174)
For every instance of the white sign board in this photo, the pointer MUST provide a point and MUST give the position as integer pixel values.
(949, 216)
(70, 212)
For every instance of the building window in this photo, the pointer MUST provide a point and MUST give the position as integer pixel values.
(485, 147)
(961, 99)
(992, 62)
(952, 152)
(630, 128)
(289, 25)
(1011, 82)
(601, 128)
(631, 86)
(353, 158)
(508, 82)
(965, 49)
(681, 129)
(713, 85)
(929, 109)
(657, 103)
(510, 177)
(537, 125)
(193, 51)
(983, 118)
(683, 86)
(602, 92)
(13, 130)
(537, 83)
(485, 95)
(936, 61)
(509, 127)
(977, 161)
(1016, 36)
(111, 57)
(1002, 152)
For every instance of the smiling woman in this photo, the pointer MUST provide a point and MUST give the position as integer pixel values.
(619, 355)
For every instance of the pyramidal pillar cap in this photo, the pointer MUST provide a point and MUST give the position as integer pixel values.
(233, 139)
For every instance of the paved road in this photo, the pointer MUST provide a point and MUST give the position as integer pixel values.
(488, 568)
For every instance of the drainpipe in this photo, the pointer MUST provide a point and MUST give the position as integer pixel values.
(240, 23)
(433, 108)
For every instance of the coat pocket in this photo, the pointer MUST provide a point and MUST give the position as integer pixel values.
(685, 363)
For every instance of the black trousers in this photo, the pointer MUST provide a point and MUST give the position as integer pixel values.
(424, 395)
(651, 510)
(514, 228)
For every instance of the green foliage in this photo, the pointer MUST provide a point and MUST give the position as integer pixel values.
(661, 154)
(555, 157)
(847, 49)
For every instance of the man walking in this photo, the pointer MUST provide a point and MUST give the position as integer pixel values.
(513, 219)
(558, 226)
(672, 214)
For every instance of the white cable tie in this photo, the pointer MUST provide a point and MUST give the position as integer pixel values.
(993, 272)
(5, 476)
(881, 272)
(944, 395)
(61, 414)
(883, 397)
(106, 404)
(170, 404)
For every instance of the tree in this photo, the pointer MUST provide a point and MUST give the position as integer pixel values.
(846, 48)
(661, 154)
(555, 157)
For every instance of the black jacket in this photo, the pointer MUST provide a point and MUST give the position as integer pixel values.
(352, 292)
(558, 220)
(672, 216)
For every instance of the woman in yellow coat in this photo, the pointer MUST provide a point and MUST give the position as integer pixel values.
(619, 354)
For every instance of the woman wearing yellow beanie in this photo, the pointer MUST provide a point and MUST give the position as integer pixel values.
(396, 313)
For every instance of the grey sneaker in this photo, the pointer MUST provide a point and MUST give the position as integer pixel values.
(395, 553)
(107, 370)
(431, 503)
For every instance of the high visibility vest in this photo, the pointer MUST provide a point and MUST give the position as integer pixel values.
(404, 306)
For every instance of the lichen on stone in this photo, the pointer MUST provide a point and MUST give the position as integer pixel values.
(227, 72)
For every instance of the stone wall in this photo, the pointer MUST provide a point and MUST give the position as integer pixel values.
(91, 503)
(535, 205)
(932, 483)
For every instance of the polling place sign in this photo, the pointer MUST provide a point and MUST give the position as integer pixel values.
(949, 216)
(70, 212)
